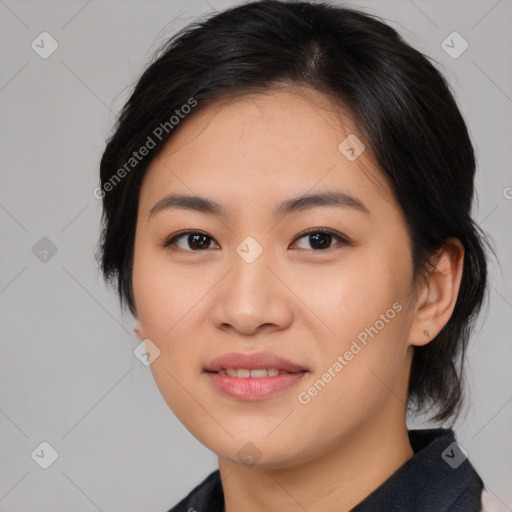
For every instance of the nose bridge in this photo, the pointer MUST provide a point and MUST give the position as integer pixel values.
(250, 262)
(251, 295)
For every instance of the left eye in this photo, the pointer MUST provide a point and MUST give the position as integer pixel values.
(320, 240)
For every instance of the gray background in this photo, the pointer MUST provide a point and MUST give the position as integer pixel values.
(67, 369)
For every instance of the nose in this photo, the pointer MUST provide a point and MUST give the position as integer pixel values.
(252, 297)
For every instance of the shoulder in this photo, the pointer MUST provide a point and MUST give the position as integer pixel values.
(491, 504)
(208, 492)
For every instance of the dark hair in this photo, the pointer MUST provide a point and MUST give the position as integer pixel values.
(395, 97)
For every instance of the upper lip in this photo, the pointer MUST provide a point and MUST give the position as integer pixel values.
(252, 362)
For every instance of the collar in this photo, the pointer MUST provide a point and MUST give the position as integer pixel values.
(438, 478)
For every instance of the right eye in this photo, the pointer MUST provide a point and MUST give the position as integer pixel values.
(195, 240)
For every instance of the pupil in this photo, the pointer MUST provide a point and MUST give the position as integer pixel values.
(195, 241)
(322, 236)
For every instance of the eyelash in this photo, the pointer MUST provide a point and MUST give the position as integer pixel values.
(170, 242)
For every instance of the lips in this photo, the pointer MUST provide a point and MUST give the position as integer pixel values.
(235, 360)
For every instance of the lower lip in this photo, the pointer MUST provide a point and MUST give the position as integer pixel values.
(253, 388)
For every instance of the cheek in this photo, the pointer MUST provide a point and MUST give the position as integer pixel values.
(348, 298)
(162, 296)
(168, 303)
(169, 318)
(363, 309)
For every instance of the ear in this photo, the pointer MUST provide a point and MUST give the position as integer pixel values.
(438, 293)
(138, 331)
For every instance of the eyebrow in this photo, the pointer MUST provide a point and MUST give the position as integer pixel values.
(301, 203)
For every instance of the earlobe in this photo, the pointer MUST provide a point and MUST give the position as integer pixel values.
(439, 293)
(138, 330)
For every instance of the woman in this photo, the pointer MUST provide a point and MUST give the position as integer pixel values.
(287, 200)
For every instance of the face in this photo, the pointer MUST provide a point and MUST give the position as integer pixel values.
(323, 284)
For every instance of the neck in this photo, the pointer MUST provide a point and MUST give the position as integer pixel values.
(338, 479)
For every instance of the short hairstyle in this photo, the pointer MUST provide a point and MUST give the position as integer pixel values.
(396, 98)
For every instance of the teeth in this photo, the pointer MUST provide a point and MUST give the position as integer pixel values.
(245, 373)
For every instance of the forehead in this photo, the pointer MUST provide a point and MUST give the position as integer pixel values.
(279, 143)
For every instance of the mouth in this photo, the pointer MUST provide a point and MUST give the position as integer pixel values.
(253, 376)
(257, 373)
(262, 364)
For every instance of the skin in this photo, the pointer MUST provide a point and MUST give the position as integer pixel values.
(300, 302)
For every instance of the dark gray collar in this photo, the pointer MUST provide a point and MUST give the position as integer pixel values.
(438, 478)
